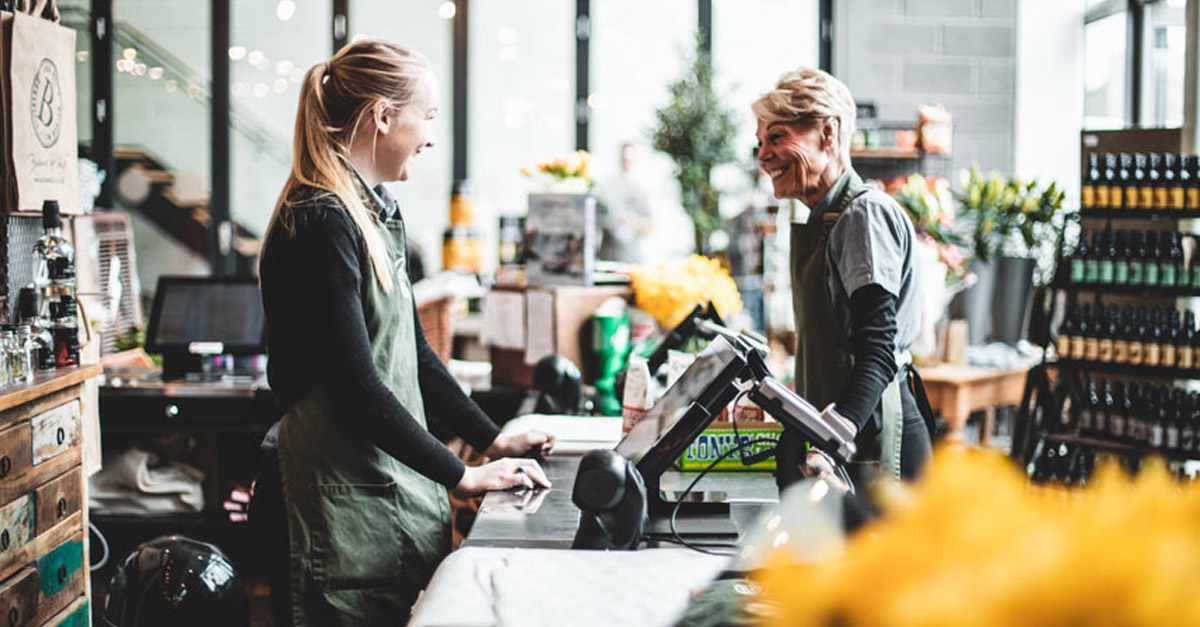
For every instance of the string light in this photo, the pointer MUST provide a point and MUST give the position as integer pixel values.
(237, 53)
(447, 10)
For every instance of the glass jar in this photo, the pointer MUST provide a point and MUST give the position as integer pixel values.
(26, 348)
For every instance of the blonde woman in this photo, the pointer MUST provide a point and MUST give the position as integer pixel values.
(363, 480)
(854, 284)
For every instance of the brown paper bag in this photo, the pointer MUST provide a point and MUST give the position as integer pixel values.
(7, 197)
(41, 90)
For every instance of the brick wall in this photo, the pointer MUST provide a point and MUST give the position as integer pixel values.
(961, 53)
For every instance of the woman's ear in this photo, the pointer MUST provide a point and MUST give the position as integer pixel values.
(381, 114)
(829, 134)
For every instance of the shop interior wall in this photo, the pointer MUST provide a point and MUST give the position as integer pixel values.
(960, 53)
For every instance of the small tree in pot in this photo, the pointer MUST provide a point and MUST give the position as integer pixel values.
(697, 132)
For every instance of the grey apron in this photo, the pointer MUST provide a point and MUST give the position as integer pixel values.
(366, 532)
(824, 357)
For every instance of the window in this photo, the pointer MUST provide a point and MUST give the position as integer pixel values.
(1105, 80)
(1162, 87)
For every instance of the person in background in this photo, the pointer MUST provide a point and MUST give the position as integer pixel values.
(854, 283)
(357, 497)
(626, 219)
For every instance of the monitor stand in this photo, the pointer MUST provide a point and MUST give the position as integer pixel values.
(177, 364)
(702, 515)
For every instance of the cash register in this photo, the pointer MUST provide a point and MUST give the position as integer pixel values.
(618, 491)
(207, 328)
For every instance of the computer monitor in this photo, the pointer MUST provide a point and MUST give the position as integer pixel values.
(684, 410)
(197, 316)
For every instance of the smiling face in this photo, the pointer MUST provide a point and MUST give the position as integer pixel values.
(404, 132)
(799, 157)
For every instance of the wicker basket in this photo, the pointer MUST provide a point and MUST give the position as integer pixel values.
(438, 326)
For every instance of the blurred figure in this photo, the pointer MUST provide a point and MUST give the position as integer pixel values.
(626, 218)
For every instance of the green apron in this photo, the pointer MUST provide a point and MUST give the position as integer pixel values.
(824, 357)
(366, 532)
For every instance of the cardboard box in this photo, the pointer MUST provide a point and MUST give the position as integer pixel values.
(719, 437)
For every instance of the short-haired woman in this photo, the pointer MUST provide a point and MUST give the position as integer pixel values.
(363, 480)
(854, 284)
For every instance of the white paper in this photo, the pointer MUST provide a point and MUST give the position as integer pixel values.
(539, 306)
(504, 320)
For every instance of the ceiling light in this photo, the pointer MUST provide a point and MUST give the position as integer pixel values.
(237, 53)
(285, 10)
(447, 10)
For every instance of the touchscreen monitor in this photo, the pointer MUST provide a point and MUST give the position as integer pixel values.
(221, 312)
(684, 409)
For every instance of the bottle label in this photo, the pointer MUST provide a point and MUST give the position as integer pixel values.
(1196, 278)
(1187, 438)
(1168, 355)
(1076, 347)
(1135, 353)
(1156, 435)
(1131, 197)
(1176, 198)
(1114, 197)
(1091, 271)
(1087, 196)
(60, 269)
(1101, 201)
(1136, 272)
(1193, 198)
(1091, 349)
(1160, 199)
(1064, 346)
(1146, 198)
(1121, 351)
(1077, 270)
(1172, 437)
(1085, 420)
(1151, 356)
(1150, 274)
(1106, 350)
(1183, 278)
(1106, 272)
(1121, 273)
(1116, 425)
(1167, 275)
(1186, 357)
(1098, 422)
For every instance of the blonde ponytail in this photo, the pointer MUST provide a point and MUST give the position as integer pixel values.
(334, 99)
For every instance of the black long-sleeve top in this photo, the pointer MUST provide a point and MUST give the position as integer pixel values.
(873, 340)
(314, 287)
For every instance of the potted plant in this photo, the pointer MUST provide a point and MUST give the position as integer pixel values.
(1013, 232)
(697, 132)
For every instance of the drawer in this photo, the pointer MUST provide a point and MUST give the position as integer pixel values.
(16, 526)
(75, 618)
(60, 576)
(55, 501)
(18, 598)
(55, 431)
(15, 452)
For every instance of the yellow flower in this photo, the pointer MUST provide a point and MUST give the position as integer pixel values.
(669, 290)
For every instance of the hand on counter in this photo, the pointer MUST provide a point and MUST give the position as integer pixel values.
(502, 474)
(529, 444)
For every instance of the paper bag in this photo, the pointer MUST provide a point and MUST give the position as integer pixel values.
(43, 143)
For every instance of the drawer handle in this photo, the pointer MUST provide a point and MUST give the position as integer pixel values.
(61, 435)
(62, 574)
(4, 540)
(5, 466)
(14, 617)
(61, 506)
(171, 410)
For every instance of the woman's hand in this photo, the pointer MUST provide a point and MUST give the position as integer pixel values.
(529, 443)
(502, 474)
(819, 465)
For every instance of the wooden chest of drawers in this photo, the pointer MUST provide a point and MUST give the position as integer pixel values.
(43, 514)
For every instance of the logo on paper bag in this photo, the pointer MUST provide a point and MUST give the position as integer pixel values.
(46, 104)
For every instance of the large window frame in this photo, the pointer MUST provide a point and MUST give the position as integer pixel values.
(1138, 47)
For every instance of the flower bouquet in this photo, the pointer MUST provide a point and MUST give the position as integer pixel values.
(668, 290)
(570, 174)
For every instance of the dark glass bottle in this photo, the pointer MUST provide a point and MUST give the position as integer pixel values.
(1185, 355)
(1121, 337)
(1183, 277)
(1170, 423)
(1172, 257)
(1082, 322)
(1152, 347)
(1087, 413)
(1137, 346)
(1151, 426)
(1103, 407)
(1187, 432)
(1091, 338)
(1079, 259)
(1126, 193)
(1142, 192)
(1107, 258)
(1191, 182)
(1156, 181)
(1107, 334)
(1153, 257)
(1171, 181)
(1121, 263)
(1065, 331)
(1091, 175)
(1170, 341)
(1135, 415)
(1108, 192)
(1091, 263)
(1117, 415)
(1137, 259)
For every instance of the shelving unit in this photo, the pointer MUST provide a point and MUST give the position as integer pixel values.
(1055, 389)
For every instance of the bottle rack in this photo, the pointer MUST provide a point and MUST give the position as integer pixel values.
(1137, 189)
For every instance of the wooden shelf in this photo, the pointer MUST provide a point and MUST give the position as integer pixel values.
(1141, 371)
(48, 383)
(1139, 214)
(1116, 447)
(886, 153)
(1137, 290)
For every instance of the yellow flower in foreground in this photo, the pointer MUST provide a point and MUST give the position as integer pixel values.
(669, 290)
(977, 546)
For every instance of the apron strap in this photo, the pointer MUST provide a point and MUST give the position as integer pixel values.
(892, 433)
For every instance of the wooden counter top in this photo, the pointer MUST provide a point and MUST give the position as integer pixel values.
(46, 383)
